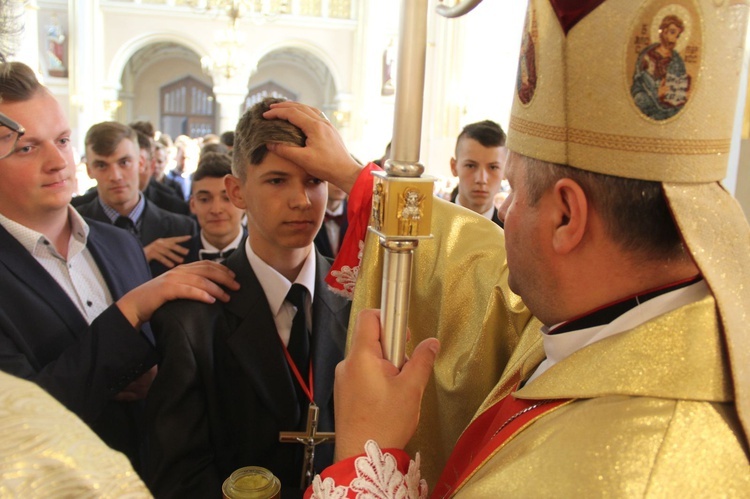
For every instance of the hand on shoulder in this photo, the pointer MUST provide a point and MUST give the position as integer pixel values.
(202, 281)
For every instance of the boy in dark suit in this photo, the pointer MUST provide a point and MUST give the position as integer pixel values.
(220, 220)
(156, 192)
(329, 237)
(233, 377)
(113, 159)
(75, 293)
(479, 165)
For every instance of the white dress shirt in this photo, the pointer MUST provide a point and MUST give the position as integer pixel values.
(558, 347)
(78, 275)
(210, 248)
(487, 214)
(276, 287)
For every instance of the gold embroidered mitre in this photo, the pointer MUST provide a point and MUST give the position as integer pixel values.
(648, 90)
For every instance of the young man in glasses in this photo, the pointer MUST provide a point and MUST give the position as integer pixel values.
(76, 293)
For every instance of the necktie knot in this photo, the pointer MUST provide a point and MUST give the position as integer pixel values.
(339, 219)
(296, 296)
(126, 223)
(215, 255)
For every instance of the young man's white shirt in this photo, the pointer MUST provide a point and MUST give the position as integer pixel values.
(333, 230)
(276, 287)
(487, 214)
(210, 248)
(78, 275)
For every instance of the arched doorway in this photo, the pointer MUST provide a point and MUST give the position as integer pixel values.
(298, 72)
(164, 83)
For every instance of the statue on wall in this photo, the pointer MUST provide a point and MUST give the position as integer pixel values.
(389, 69)
(56, 49)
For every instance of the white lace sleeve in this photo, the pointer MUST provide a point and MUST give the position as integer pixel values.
(378, 477)
(346, 276)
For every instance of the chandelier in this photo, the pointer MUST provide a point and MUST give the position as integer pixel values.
(226, 57)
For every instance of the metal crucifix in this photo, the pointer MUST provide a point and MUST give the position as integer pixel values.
(310, 438)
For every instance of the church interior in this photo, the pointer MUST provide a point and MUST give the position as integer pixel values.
(192, 67)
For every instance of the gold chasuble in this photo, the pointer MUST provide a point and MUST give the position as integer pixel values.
(663, 389)
(643, 90)
(47, 451)
(459, 295)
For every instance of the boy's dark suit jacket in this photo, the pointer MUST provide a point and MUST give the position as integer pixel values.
(321, 238)
(195, 245)
(158, 193)
(155, 224)
(45, 339)
(495, 215)
(165, 198)
(224, 390)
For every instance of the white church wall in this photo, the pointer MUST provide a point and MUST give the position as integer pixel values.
(293, 79)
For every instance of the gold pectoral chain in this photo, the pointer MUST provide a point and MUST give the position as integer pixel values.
(519, 414)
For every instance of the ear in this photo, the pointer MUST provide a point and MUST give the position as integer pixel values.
(454, 170)
(192, 204)
(141, 163)
(88, 171)
(571, 215)
(233, 186)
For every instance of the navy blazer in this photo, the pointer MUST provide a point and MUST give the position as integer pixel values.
(225, 391)
(155, 224)
(45, 339)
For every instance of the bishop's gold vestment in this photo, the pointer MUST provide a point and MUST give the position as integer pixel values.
(47, 451)
(654, 416)
(459, 295)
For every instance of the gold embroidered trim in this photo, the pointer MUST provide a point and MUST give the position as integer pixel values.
(538, 130)
(510, 437)
(621, 142)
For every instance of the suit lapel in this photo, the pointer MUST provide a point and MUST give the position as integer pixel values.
(27, 270)
(150, 224)
(322, 242)
(116, 287)
(330, 315)
(256, 344)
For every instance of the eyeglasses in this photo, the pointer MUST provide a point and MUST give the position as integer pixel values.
(10, 132)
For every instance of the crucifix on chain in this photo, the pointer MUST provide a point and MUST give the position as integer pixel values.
(310, 438)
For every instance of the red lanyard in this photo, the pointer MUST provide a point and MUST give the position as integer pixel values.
(308, 389)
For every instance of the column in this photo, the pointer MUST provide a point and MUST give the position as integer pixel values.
(230, 94)
(85, 76)
(28, 49)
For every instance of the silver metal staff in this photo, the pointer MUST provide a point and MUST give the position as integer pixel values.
(402, 199)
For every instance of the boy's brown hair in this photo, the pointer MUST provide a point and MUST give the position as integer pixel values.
(254, 132)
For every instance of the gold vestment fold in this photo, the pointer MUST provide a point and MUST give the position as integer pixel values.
(654, 407)
(459, 295)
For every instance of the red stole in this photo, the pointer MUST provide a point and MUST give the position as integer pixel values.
(485, 435)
